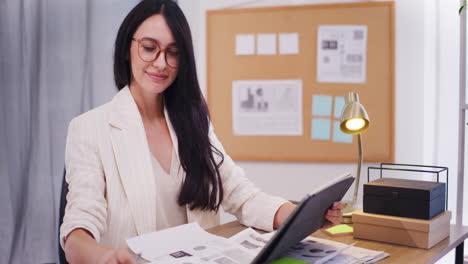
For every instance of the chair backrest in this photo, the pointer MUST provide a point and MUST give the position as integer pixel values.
(63, 203)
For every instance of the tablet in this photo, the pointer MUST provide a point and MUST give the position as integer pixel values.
(307, 218)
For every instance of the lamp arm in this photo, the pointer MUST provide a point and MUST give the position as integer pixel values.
(358, 173)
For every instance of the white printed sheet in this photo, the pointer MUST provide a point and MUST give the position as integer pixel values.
(341, 53)
(267, 108)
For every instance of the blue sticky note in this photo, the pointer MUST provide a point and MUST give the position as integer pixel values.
(338, 107)
(321, 105)
(339, 136)
(321, 129)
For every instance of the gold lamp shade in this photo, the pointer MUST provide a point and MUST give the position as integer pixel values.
(354, 118)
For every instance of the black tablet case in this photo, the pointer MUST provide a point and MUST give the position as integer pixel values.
(307, 218)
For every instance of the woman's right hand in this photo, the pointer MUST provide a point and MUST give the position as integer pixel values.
(117, 256)
(82, 248)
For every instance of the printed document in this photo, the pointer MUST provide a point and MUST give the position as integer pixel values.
(187, 244)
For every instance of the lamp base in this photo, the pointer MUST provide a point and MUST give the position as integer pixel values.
(347, 213)
(347, 218)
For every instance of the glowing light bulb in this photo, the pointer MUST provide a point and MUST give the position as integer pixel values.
(355, 124)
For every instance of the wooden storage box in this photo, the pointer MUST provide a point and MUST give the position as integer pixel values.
(400, 230)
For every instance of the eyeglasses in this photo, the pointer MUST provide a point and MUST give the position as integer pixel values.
(149, 50)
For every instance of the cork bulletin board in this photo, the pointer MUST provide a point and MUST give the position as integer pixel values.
(272, 100)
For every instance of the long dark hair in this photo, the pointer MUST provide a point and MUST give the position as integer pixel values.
(202, 187)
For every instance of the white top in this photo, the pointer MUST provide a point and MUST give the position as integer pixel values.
(168, 212)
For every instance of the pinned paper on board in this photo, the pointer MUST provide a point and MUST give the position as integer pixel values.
(320, 129)
(321, 105)
(339, 136)
(288, 43)
(266, 44)
(267, 107)
(325, 125)
(245, 44)
(341, 53)
(339, 104)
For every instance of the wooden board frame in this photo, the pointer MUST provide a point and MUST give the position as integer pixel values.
(376, 94)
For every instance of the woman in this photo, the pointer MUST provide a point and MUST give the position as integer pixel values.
(149, 159)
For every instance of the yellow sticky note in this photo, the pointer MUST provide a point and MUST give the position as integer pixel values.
(339, 230)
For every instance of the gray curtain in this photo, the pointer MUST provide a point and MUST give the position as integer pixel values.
(55, 63)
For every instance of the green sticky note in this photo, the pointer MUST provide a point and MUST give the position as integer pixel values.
(288, 261)
(340, 230)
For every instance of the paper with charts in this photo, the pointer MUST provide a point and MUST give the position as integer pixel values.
(190, 244)
(267, 108)
(341, 53)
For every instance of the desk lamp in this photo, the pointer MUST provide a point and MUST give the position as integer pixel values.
(354, 121)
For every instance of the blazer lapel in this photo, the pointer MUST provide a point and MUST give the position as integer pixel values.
(133, 160)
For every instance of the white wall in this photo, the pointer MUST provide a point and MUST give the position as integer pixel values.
(447, 93)
(426, 93)
(442, 17)
(270, 176)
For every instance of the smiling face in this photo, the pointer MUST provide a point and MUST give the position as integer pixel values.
(155, 76)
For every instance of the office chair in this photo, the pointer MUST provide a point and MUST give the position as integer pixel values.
(63, 203)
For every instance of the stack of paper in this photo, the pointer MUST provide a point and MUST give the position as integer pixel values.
(189, 243)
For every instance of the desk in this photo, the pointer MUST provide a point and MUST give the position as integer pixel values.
(398, 254)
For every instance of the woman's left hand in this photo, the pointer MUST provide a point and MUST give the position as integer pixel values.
(334, 214)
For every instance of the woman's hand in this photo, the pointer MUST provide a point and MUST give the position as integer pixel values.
(117, 256)
(282, 214)
(81, 247)
(334, 215)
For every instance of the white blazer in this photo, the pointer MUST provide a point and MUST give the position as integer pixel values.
(112, 192)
